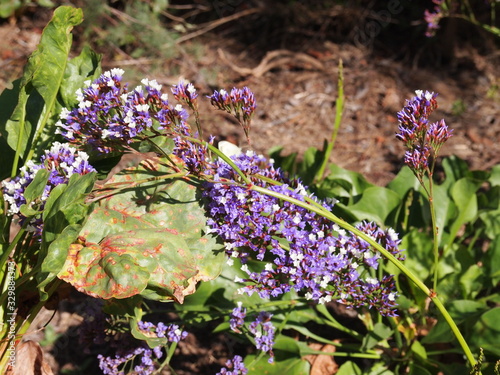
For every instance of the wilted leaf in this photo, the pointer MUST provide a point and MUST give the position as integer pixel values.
(29, 360)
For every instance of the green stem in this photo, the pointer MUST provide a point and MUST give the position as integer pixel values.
(435, 230)
(224, 157)
(339, 109)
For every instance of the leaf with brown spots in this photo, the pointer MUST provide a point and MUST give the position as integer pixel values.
(148, 239)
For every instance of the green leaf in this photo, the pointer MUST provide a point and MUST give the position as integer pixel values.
(8, 7)
(445, 209)
(64, 211)
(495, 176)
(491, 221)
(454, 169)
(419, 253)
(36, 188)
(379, 334)
(471, 281)
(486, 332)
(375, 204)
(56, 255)
(380, 368)
(148, 238)
(404, 181)
(418, 349)
(84, 67)
(357, 182)
(463, 193)
(418, 370)
(33, 192)
(492, 261)
(282, 365)
(66, 206)
(40, 83)
(349, 368)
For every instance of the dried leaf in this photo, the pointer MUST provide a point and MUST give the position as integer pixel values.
(29, 360)
(322, 364)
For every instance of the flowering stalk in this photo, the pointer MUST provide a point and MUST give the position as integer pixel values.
(313, 206)
(339, 109)
(423, 141)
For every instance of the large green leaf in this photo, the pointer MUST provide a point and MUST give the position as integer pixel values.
(376, 204)
(283, 364)
(38, 88)
(404, 181)
(463, 193)
(486, 332)
(64, 211)
(148, 238)
(85, 66)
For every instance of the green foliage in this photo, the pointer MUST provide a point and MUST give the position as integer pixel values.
(9, 8)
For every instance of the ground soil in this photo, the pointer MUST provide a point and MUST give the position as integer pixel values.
(290, 61)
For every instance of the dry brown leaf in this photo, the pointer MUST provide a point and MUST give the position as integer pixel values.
(322, 364)
(29, 360)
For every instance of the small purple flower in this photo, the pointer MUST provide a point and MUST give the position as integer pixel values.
(185, 92)
(304, 251)
(234, 366)
(171, 331)
(108, 117)
(263, 330)
(237, 318)
(115, 365)
(239, 102)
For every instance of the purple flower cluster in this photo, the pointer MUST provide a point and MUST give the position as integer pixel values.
(142, 357)
(146, 365)
(263, 330)
(234, 366)
(303, 250)
(185, 92)
(421, 138)
(62, 161)
(239, 102)
(237, 318)
(172, 331)
(433, 18)
(108, 117)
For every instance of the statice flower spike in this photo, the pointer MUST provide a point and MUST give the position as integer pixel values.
(108, 118)
(172, 332)
(142, 357)
(319, 260)
(433, 18)
(263, 331)
(422, 139)
(239, 102)
(185, 92)
(62, 161)
(234, 366)
(237, 318)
